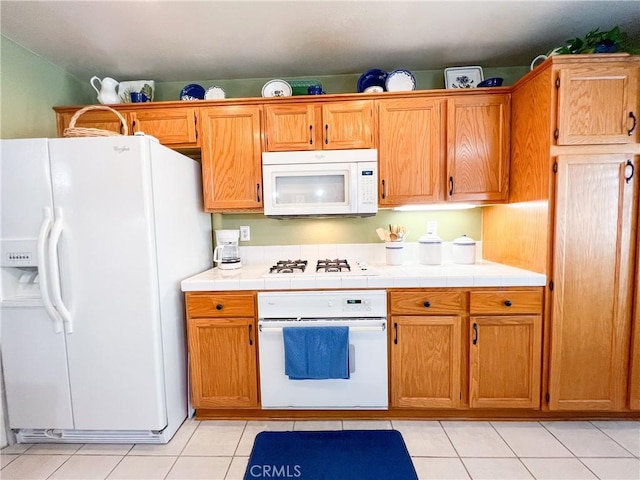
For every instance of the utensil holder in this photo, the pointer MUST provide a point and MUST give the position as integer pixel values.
(394, 253)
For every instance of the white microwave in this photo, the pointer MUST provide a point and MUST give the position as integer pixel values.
(320, 183)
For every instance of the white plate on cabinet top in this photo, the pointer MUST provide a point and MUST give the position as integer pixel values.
(276, 88)
(400, 80)
(214, 93)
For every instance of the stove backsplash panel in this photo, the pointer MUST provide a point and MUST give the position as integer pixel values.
(368, 252)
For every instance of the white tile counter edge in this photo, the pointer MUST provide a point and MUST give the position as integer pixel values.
(480, 274)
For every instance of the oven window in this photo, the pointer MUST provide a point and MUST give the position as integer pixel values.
(314, 189)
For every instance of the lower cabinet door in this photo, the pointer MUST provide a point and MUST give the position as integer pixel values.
(425, 361)
(505, 356)
(222, 362)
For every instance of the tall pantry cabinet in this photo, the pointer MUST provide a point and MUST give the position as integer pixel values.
(574, 203)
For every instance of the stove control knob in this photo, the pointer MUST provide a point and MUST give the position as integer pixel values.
(330, 303)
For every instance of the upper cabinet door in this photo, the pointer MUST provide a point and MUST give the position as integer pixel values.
(597, 104)
(290, 127)
(347, 125)
(231, 158)
(171, 126)
(314, 126)
(478, 148)
(409, 149)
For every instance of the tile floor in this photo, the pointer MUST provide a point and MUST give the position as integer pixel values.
(439, 450)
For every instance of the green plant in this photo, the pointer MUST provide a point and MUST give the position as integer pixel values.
(614, 40)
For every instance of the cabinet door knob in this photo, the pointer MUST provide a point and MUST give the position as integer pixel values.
(384, 189)
(475, 333)
(427, 304)
(395, 329)
(507, 303)
(628, 167)
(310, 134)
(326, 134)
(219, 306)
(451, 186)
(250, 336)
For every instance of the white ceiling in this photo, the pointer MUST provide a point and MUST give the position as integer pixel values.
(192, 40)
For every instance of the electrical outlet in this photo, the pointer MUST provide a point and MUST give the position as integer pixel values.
(432, 227)
(245, 234)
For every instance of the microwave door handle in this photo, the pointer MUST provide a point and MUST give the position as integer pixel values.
(354, 188)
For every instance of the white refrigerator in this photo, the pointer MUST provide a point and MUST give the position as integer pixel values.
(96, 235)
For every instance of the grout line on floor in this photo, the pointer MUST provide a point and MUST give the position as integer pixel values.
(609, 436)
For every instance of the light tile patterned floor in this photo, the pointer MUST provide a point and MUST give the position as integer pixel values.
(211, 450)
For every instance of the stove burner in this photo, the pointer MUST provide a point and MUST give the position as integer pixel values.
(289, 266)
(335, 265)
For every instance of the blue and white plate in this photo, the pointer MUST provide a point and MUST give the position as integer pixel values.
(400, 80)
(371, 78)
(193, 91)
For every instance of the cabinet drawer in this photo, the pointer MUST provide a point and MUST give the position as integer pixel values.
(427, 302)
(505, 302)
(202, 305)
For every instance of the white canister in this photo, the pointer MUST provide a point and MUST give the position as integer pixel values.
(463, 250)
(430, 250)
(394, 253)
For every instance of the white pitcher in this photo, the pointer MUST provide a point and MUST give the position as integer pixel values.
(107, 93)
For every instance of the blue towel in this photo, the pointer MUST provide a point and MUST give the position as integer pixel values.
(316, 352)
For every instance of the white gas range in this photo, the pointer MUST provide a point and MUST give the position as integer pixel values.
(320, 267)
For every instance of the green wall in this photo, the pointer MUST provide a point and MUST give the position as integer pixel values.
(29, 87)
(425, 80)
(268, 231)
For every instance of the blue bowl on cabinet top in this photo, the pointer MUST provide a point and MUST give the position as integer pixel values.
(491, 82)
(372, 78)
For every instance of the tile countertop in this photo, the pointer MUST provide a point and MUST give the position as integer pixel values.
(480, 274)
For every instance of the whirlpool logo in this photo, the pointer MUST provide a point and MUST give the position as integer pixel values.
(275, 471)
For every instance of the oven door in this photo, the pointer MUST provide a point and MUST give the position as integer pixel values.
(366, 388)
(310, 189)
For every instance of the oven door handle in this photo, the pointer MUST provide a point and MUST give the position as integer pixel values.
(377, 328)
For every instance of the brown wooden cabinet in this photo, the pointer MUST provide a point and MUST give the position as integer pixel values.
(576, 221)
(634, 374)
(173, 126)
(594, 253)
(231, 158)
(609, 89)
(478, 139)
(334, 125)
(506, 349)
(409, 147)
(426, 348)
(222, 350)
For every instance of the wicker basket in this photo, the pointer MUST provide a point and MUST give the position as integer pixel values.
(73, 131)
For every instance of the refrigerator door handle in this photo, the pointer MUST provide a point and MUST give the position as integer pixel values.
(43, 273)
(56, 231)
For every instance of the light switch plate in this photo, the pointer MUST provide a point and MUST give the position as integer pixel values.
(245, 234)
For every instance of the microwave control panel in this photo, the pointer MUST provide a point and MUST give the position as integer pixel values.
(368, 186)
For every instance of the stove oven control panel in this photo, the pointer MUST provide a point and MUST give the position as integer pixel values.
(356, 305)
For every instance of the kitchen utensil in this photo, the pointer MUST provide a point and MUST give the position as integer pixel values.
(491, 82)
(214, 93)
(400, 80)
(430, 249)
(125, 89)
(384, 236)
(107, 89)
(193, 91)
(370, 78)
(276, 88)
(463, 250)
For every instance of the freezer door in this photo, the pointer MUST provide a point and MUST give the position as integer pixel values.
(35, 370)
(26, 190)
(107, 261)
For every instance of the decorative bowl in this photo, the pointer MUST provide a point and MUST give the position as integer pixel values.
(491, 82)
